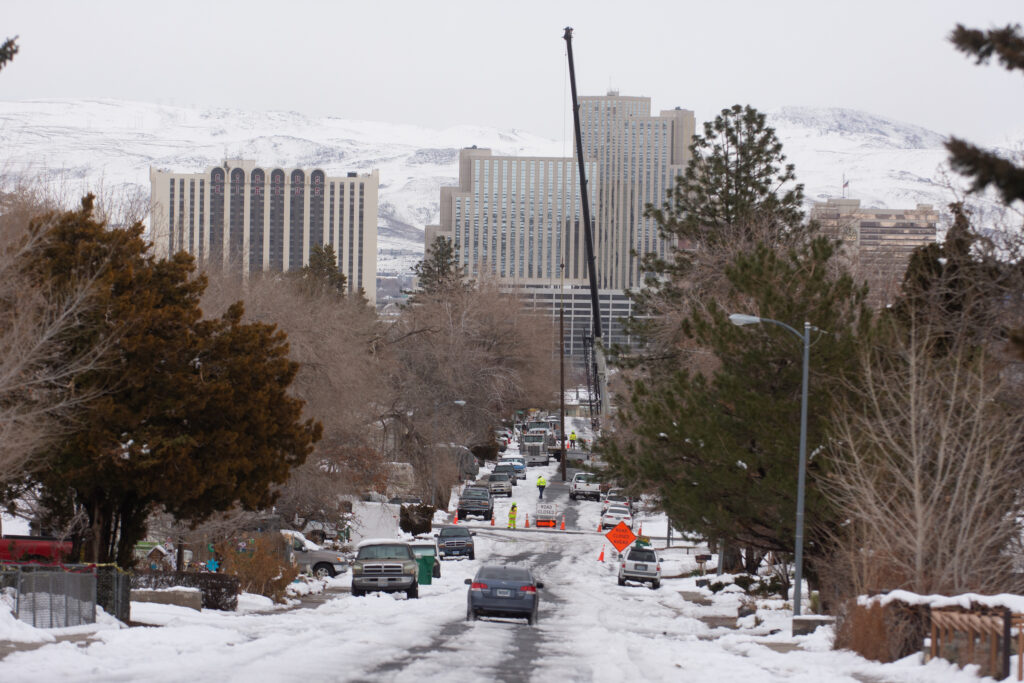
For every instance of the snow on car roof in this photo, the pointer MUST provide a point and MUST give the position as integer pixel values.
(381, 541)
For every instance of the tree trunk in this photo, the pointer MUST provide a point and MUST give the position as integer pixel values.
(752, 559)
(730, 560)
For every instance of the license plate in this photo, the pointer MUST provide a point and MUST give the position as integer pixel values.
(503, 593)
(641, 567)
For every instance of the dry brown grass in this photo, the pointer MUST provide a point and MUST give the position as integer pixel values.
(262, 568)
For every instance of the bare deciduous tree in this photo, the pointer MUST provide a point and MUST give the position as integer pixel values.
(927, 472)
(37, 369)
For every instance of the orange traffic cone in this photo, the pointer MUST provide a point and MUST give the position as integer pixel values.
(456, 517)
(492, 518)
(601, 556)
(527, 525)
(563, 523)
(599, 529)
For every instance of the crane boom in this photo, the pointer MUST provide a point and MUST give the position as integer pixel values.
(588, 239)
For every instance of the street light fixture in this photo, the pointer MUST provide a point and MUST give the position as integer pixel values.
(742, 319)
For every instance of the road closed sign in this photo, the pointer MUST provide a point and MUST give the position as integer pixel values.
(621, 536)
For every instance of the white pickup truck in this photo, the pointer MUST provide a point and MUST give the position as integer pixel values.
(585, 485)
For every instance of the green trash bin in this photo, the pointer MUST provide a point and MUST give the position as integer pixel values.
(426, 569)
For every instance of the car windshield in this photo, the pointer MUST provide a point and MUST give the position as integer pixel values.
(585, 478)
(452, 531)
(474, 493)
(384, 552)
(642, 555)
(501, 476)
(424, 550)
(534, 438)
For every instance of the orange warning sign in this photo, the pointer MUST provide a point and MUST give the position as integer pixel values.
(621, 536)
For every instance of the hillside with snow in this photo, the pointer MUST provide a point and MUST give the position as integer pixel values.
(80, 145)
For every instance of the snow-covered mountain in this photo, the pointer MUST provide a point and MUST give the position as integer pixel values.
(81, 145)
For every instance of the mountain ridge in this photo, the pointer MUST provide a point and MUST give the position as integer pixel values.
(888, 163)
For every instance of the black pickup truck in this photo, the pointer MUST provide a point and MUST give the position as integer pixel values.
(475, 501)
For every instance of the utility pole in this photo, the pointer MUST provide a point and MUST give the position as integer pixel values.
(562, 448)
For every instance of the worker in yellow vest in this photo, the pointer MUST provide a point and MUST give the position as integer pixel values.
(512, 517)
(572, 440)
(541, 483)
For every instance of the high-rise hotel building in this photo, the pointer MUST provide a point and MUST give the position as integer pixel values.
(254, 219)
(638, 159)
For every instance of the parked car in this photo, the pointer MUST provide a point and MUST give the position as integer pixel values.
(385, 564)
(509, 469)
(476, 500)
(640, 564)
(312, 558)
(34, 549)
(500, 484)
(615, 514)
(428, 549)
(617, 497)
(456, 541)
(517, 463)
(498, 591)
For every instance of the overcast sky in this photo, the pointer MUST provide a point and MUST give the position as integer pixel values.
(503, 65)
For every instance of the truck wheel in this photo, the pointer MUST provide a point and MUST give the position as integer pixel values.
(323, 571)
(622, 581)
(472, 554)
(437, 571)
(470, 614)
(656, 584)
(531, 619)
(356, 592)
(572, 496)
(413, 592)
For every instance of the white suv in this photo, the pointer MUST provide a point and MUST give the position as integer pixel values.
(640, 564)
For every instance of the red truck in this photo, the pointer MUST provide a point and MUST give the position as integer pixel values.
(33, 549)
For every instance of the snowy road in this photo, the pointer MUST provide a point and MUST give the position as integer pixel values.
(590, 629)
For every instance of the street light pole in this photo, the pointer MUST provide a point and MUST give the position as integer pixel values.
(741, 319)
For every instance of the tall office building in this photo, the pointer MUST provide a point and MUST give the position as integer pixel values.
(255, 219)
(878, 242)
(638, 159)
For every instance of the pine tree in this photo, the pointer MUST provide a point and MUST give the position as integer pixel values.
(736, 179)
(737, 191)
(439, 271)
(988, 168)
(721, 448)
(192, 415)
(321, 274)
(8, 49)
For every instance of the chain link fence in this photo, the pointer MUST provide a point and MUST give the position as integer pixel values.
(51, 597)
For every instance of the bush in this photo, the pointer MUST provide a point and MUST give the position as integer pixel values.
(219, 591)
(416, 519)
(262, 567)
(745, 581)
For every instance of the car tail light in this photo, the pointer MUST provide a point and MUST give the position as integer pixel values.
(477, 586)
(529, 589)
(657, 567)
